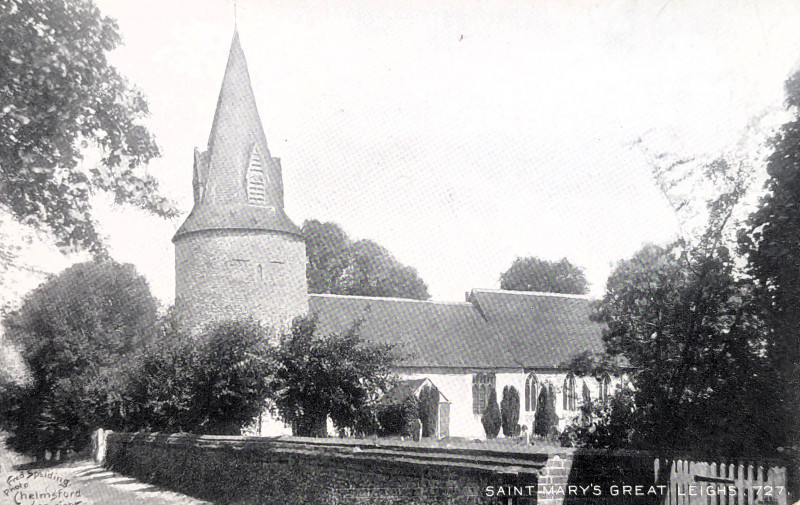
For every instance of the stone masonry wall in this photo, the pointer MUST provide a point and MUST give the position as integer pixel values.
(220, 275)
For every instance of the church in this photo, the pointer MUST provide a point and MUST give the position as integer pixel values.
(238, 254)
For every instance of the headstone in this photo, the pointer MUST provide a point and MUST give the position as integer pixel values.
(416, 430)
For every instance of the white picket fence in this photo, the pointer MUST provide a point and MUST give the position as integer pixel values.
(732, 483)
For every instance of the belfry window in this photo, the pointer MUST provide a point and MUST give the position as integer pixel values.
(256, 180)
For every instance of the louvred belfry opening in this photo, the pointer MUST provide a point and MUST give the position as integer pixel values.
(237, 182)
(256, 180)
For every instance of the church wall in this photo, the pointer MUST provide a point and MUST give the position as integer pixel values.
(457, 388)
(223, 275)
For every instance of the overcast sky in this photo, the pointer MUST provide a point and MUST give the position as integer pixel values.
(460, 134)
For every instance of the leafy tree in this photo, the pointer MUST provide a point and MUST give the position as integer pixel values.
(534, 274)
(75, 332)
(58, 94)
(338, 265)
(491, 416)
(509, 410)
(429, 410)
(212, 384)
(771, 243)
(688, 328)
(546, 417)
(338, 376)
(604, 425)
(395, 418)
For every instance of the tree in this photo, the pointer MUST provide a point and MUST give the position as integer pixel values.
(337, 375)
(509, 410)
(546, 417)
(58, 95)
(429, 410)
(395, 418)
(534, 274)
(695, 344)
(771, 243)
(338, 265)
(491, 416)
(75, 333)
(212, 384)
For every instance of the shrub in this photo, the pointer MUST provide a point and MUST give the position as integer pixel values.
(604, 425)
(546, 417)
(394, 419)
(491, 416)
(214, 384)
(509, 410)
(429, 410)
(76, 333)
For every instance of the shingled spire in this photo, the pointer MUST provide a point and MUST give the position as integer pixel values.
(237, 183)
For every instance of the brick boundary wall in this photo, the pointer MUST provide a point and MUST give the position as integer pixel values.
(261, 470)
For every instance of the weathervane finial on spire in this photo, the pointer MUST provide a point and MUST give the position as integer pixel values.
(234, 15)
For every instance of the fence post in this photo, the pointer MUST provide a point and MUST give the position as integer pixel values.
(99, 446)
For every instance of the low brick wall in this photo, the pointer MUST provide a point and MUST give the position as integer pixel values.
(257, 470)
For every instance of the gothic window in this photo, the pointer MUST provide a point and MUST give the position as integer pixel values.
(530, 392)
(605, 383)
(256, 180)
(482, 384)
(570, 396)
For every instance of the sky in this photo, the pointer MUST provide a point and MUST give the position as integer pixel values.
(460, 134)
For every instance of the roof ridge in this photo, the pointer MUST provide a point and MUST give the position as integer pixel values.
(391, 299)
(532, 293)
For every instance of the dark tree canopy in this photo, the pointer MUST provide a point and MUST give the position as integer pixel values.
(509, 410)
(59, 95)
(534, 274)
(215, 383)
(491, 419)
(75, 333)
(338, 265)
(689, 328)
(771, 243)
(338, 375)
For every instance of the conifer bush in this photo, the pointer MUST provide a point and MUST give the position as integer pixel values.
(509, 411)
(491, 416)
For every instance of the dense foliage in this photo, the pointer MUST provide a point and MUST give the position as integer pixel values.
(75, 332)
(429, 410)
(771, 243)
(491, 416)
(604, 425)
(509, 411)
(534, 274)
(338, 375)
(59, 94)
(395, 418)
(545, 417)
(339, 265)
(688, 327)
(215, 383)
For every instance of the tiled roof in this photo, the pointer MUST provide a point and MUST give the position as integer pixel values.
(495, 329)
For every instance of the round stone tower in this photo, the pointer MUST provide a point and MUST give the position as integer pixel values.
(238, 254)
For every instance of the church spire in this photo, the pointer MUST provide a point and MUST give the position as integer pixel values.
(237, 183)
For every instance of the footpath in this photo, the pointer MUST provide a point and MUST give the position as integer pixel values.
(77, 482)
